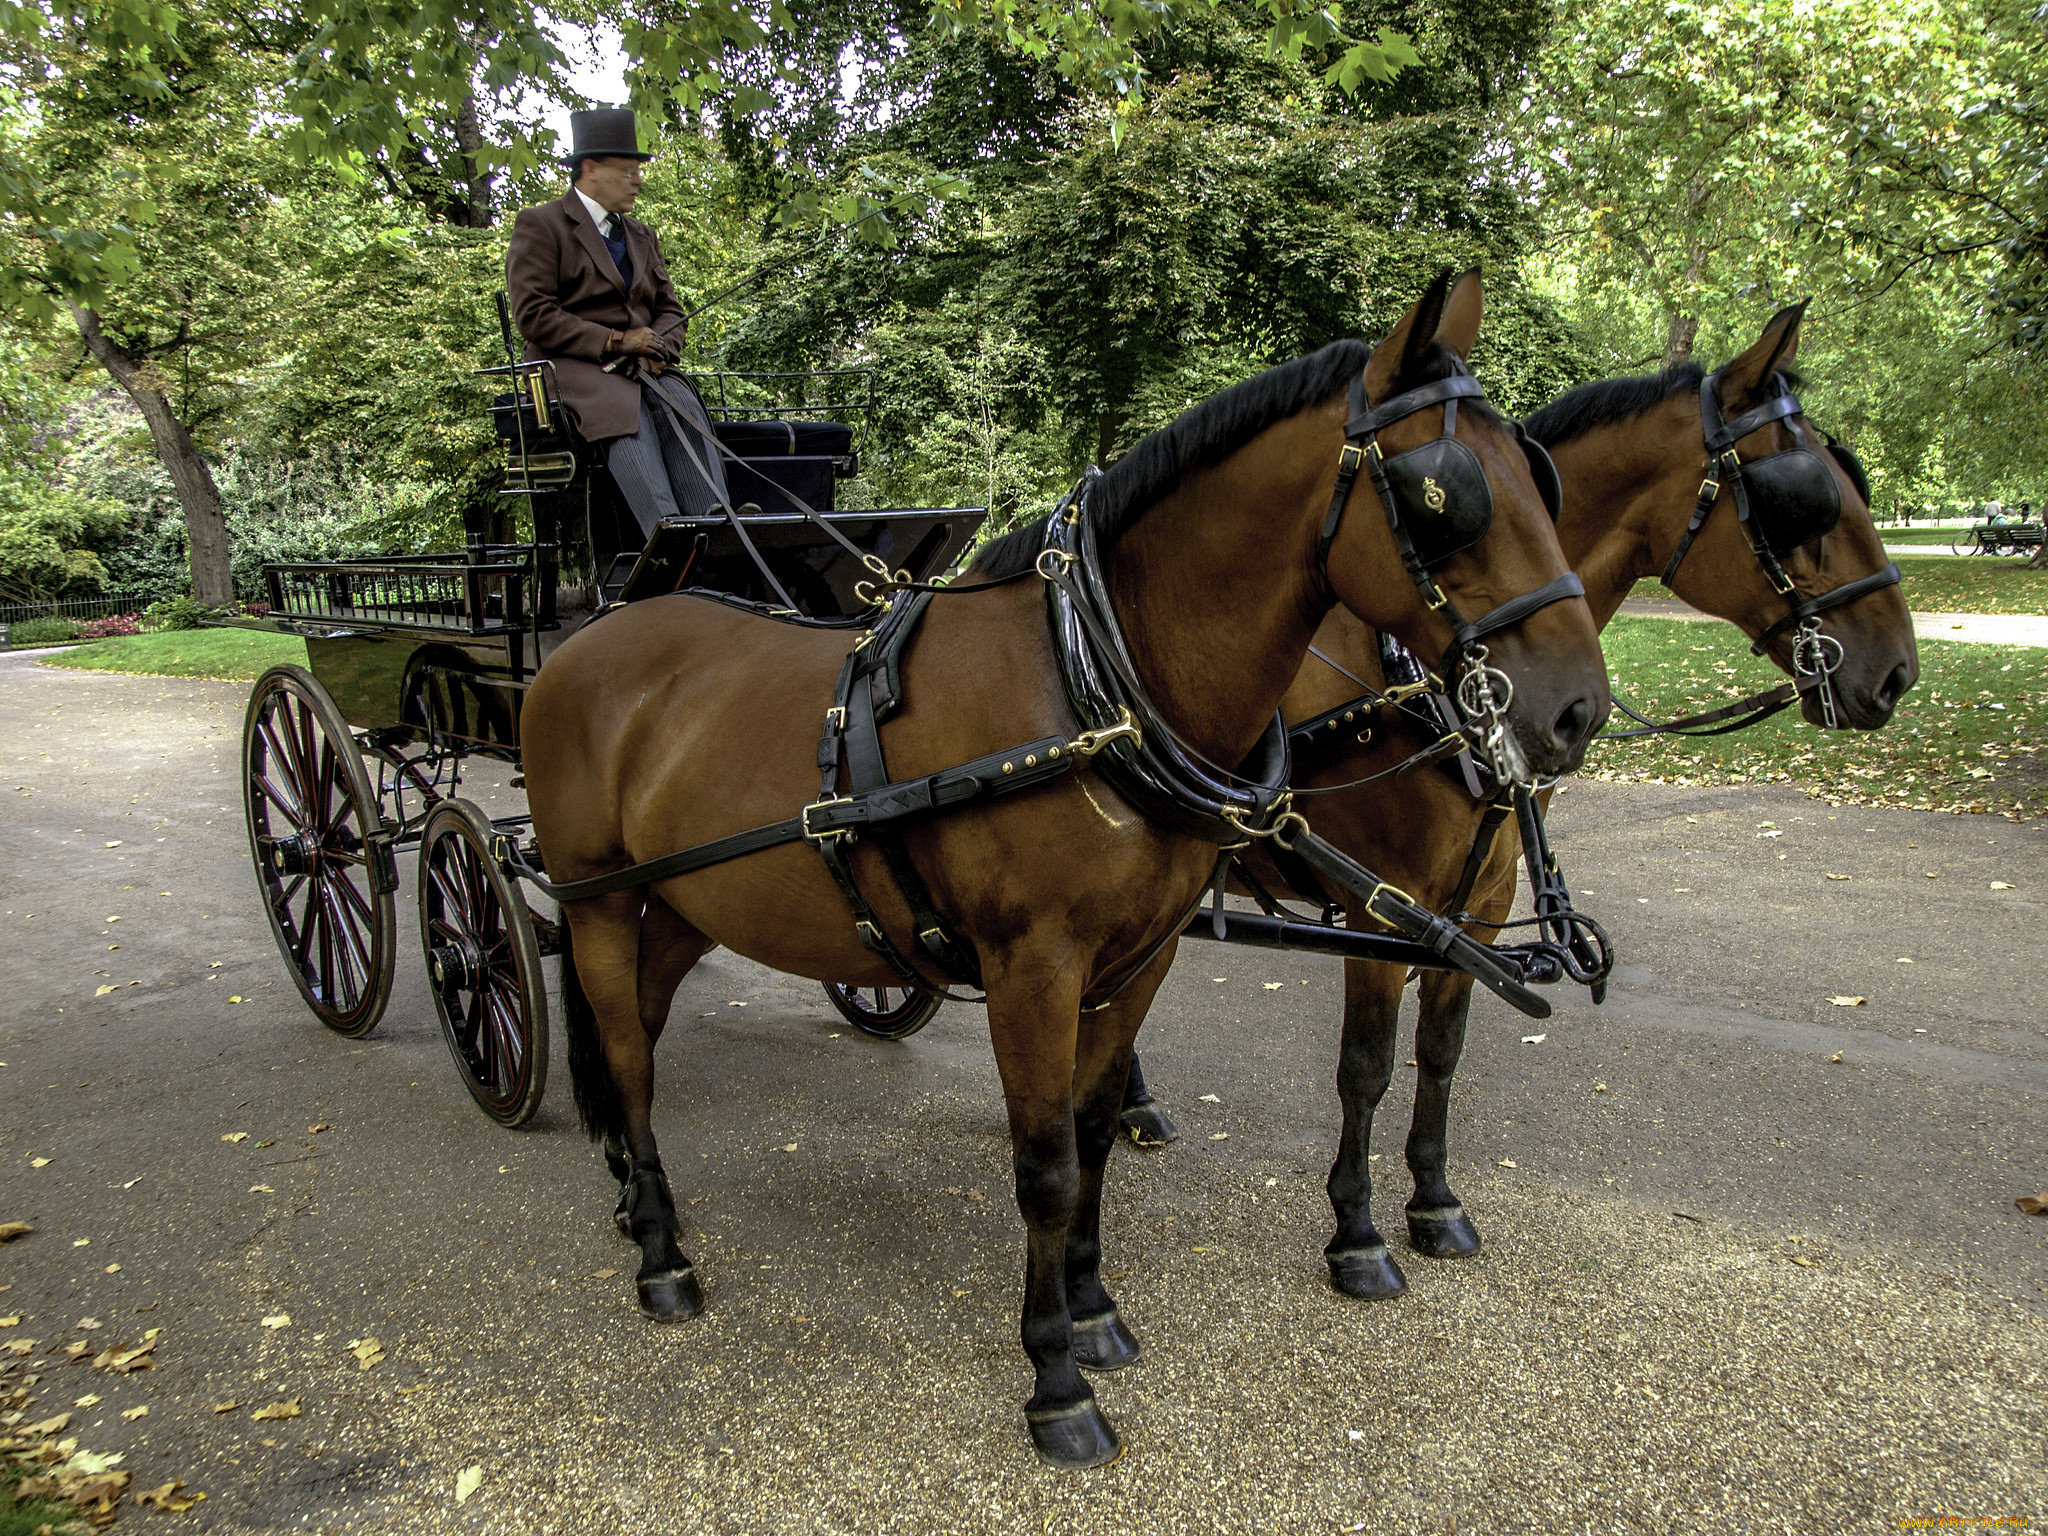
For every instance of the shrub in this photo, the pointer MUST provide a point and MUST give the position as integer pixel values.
(110, 627)
(41, 632)
(175, 613)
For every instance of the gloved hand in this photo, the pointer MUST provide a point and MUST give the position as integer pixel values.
(639, 342)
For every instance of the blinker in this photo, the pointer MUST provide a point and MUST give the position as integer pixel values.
(1441, 491)
(1794, 498)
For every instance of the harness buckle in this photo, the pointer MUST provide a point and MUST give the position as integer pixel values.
(836, 717)
(1709, 489)
(1392, 890)
(1349, 458)
(1060, 558)
(1088, 743)
(830, 834)
(1441, 600)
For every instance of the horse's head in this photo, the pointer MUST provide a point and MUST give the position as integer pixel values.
(1795, 512)
(1473, 518)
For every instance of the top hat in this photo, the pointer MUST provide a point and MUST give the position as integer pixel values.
(605, 132)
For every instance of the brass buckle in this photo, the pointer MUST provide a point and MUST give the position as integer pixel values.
(1392, 890)
(1349, 458)
(1442, 598)
(836, 717)
(1710, 484)
(1088, 743)
(830, 834)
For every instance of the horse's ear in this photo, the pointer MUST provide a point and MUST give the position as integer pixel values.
(1460, 328)
(1743, 381)
(1406, 342)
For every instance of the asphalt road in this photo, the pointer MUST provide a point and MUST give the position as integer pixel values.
(1605, 1365)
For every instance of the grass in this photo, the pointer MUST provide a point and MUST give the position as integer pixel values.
(241, 655)
(1944, 584)
(1967, 738)
(31, 1515)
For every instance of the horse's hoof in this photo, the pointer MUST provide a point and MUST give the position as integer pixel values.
(1074, 1439)
(670, 1295)
(1369, 1274)
(1104, 1343)
(1444, 1233)
(1147, 1126)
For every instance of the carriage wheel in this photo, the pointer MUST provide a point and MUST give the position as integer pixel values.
(316, 836)
(483, 964)
(887, 1013)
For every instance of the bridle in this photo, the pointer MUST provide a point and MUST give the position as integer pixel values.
(1437, 503)
(1782, 500)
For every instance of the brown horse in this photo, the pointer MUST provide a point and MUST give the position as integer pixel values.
(679, 720)
(1630, 454)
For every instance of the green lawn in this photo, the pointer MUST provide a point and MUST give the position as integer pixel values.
(1945, 584)
(238, 654)
(1968, 736)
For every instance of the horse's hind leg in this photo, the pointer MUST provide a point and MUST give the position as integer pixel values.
(607, 951)
(1437, 1223)
(669, 949)
(1102, 1069)
(1357, 1255)
(1142, 1115)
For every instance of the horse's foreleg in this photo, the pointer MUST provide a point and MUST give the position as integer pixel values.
(609, 964)
(1359, 1263)
(1034, 1029)
(1105, 1065)
(1437, 1223)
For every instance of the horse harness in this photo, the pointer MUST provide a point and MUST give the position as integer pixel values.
(1436, 502)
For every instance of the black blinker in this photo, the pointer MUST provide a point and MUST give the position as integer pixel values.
(1444, 500)
(1794, 497)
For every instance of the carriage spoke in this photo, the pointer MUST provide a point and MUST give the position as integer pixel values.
(280, 761)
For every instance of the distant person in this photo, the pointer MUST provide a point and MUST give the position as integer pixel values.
(2026, 511)
(590, 290)
(1994, 513)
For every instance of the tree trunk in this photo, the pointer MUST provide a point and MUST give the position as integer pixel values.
(206, 531)
(1109, 425)
(1678, 338)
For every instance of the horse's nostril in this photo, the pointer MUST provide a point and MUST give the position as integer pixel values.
(1894, 687)
(1575, 723)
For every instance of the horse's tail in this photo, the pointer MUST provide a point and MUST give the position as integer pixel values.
(597, 1096)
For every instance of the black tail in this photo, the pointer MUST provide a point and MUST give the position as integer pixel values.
(597, 1097)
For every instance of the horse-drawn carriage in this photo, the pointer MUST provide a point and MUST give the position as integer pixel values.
(418, 662)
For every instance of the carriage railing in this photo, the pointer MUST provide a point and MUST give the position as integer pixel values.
(743, 395)
(482, 593)
(535, 395)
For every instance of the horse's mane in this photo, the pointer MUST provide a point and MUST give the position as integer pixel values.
(1200, 436)
(1608, 401)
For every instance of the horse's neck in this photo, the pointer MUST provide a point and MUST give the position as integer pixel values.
(1622, 486)
(1213, 588)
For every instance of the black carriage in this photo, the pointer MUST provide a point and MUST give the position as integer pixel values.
(418, 662)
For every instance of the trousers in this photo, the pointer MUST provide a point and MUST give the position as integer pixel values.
(652, 468)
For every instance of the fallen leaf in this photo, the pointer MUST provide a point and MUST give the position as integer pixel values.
(229, 1406)
(1838, 877)
(315, 1130)
(2000, 885)
(21, 1346)
(168, 1497)
(87, 1401)
(10, 1322)
(278, 1320)
(261, 1189)
(39, 1162)
(2034, 1205)
(602, 1274)
(1534, 1039)
(467, 1481)
(123, 1360)
(112, 1269)
(235, 999)
(1802, 1261)
(1933, 875)
(791, 1147)
(90, 1323)
(236, 1136)
(114, 844)
(10, 1230)
(1599, 1087)
(1210, 1098)
(289, 1409)
(103, 991)
(1275, 986)
(1847, 1002)
(48, 1427)
(1836, 1057)
(83, 1242)
(1507, 1162)
(368, 1352)
(139, 1411)
(1221, 1136)
(77, 1347)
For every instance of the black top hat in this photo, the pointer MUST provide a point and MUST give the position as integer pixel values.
(606, 132)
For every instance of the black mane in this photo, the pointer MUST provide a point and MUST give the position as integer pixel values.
(1199, 436)
(1608, 401)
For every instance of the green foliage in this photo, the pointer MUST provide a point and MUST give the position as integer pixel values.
(40, 632)
(175, 613)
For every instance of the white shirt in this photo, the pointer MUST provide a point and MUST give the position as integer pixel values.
(597, 211)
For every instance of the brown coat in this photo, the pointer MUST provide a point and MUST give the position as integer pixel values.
(567, 298)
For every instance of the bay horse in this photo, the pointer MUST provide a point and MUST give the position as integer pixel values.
(1630, 454)
(677, 720)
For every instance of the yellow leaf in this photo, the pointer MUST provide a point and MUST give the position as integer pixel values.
(467, 1481)
(141, 1411)
(368, 1352)
(1221, 1136)
(278, 1320)
(39, 1162)
(1847, 1002)
(167, 1497)
(10, 1230)
(1802, 1261)
(103, 991)
(229, 1406)
(236, 1136)
(289, 1409)
(1507, 1162)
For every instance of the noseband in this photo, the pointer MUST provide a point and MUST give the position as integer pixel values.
(1437, 503)
(1799, 502)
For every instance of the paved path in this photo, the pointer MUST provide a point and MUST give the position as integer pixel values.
(1605, 1366)
(2022, 629)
